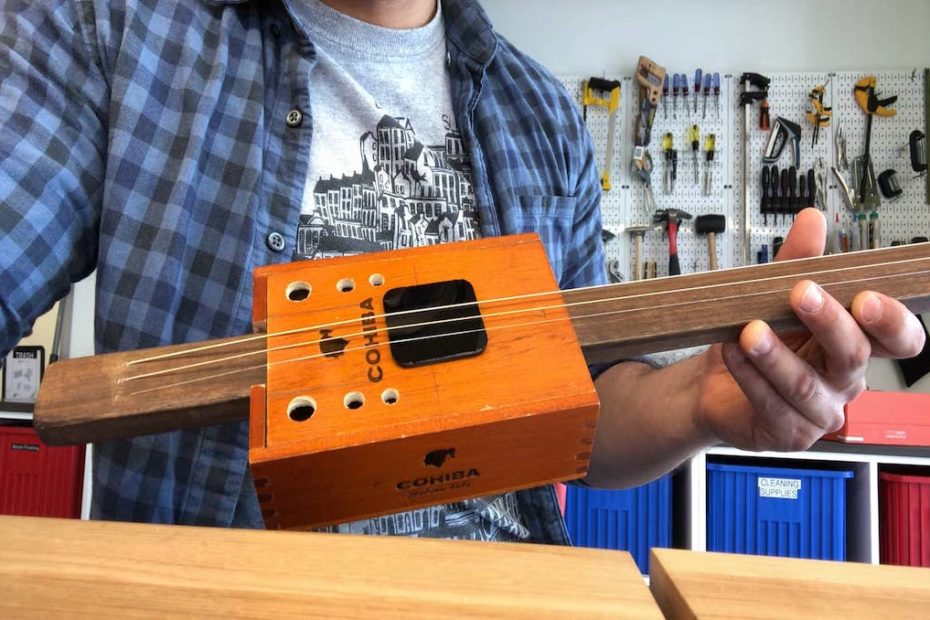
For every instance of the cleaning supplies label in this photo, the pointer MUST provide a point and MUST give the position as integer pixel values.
(783, 488)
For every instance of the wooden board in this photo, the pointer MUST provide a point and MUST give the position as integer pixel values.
(688, 584)
(55, 568)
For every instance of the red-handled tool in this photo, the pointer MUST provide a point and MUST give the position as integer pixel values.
(671, 219)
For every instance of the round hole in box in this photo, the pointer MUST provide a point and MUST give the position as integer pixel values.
(390, 396)
(354, 400)
(298, 291)
(301, 409)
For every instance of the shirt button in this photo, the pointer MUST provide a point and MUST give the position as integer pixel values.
(275, 241)
(294, 118)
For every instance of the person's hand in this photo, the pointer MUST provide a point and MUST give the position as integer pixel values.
(783, 393)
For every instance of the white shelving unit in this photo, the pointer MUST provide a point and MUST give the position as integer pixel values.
(862, 490)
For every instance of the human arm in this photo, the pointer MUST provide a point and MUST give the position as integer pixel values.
(52, 140)
(763, 393)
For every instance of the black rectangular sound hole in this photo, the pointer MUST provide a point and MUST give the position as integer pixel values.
(446, 324)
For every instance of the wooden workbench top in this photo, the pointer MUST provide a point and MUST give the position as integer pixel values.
(63, 568)
(718, 585)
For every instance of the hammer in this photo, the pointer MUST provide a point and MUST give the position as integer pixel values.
(672, 218)
(638, 233)
(711, 225)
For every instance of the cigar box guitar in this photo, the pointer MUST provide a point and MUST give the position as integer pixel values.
(384, 382)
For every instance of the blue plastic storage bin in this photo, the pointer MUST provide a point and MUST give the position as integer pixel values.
(633, 520)
(799, 513)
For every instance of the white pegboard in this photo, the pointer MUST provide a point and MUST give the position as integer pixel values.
(788, 98)
(625, 205)
(909, 215)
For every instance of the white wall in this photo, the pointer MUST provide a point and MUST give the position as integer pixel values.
(593, 37)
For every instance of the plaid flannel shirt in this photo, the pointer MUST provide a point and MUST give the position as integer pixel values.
(150, 139)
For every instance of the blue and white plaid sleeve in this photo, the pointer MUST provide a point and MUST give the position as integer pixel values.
(52, 102)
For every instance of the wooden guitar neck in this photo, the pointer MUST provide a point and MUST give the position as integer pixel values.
(92, 399)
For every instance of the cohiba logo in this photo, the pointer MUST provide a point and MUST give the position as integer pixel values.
(370, 334)
(437, 457)
(439, 479)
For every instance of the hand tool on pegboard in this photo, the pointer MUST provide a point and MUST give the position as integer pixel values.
(592, 90)
(614, 273)
(671, 219)
(698, 75)
(711, 225)
(786, 191)
(716, 84)
(708, 86)
(710, 150)
(777, 242)
(665, 97)
(649, 78)
(637, 234)
(889, 184)
(850, 199)
(818, 114)
(694, 137)
(768, 191)
(868, 100)
(784, 133)
(810, 200)
(747, 98)
(671, 162)
(840, 160)
(684, 94)
(676, 92)
(820, 185)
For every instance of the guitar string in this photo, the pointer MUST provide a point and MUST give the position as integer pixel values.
(609, 313)
(498, 300)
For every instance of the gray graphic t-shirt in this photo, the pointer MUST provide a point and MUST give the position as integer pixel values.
(388, 170)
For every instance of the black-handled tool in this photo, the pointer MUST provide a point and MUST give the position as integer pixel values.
(766, 199)
(785, 202)
(811, 188)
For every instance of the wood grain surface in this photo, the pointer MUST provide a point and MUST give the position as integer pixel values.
(687, 584)
(62, 568)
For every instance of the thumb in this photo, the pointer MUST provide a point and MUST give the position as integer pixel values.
(807, 237)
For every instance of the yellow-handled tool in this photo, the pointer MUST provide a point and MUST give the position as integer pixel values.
(592, 88)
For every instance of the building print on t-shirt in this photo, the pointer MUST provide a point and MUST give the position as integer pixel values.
(407, 194)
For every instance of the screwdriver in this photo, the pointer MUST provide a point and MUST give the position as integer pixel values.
(684, 91)
(716, 84)
(694, 135)
(665, 97)
(708, 86)
(697, 87)
(676, 90)
(668, 145)
(710, 146)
